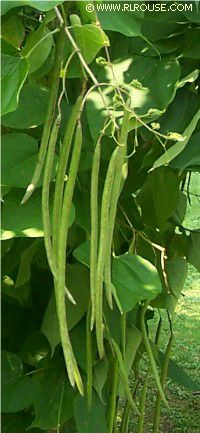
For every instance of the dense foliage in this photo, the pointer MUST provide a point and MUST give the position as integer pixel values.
(100, 123)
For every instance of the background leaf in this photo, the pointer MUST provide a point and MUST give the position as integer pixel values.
(28, 115)
(134, 279)
(13, 74)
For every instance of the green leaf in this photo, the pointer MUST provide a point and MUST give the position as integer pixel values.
(31, 110)
(178, 375)
(23, 220)
(34, 348)
(53, 402)
(82, 253)
(125, 22)
(189, 158)
(193, 254)
(158, 198)
(135, 279)
(190, 45)
(13, 74)
(19, 157)
(24, 272)
(159, 25)
(41, 5)
(18, 390)
(90, 40)
(151, 85)
(133, 340)
(37, 50)
(190, 78)
(176, 275)
(77, 281)
(12, 30)
(179, 146)
(100, 373)
(17, 423)
(90, 421)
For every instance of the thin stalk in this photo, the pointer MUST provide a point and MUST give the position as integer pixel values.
(156, 422)
(49, 117)
(80, 56)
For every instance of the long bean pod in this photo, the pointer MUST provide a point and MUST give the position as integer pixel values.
(62, 166)
(143, 403)
(114, 201)
(150, 355)
(124, 376)
(49, 117)
(156, 421)
(105, 205)
(89, 358)
(71, 365)
(45, 203)
(45, 195)
(94, 228)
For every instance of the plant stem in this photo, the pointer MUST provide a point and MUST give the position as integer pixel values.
(113, 397)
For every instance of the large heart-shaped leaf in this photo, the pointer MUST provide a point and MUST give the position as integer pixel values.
(90, 40)
(151, 83)
(189, 158)
(18, 390)
(90, 421)
(13, 74)
(7, 5)
(118, 20)
(37, 48)
(31, 110)
(176, 274)
(158, 198)
(23, 220)
(12, 30)
(19, 157)
(54, 400)
(135, 279)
